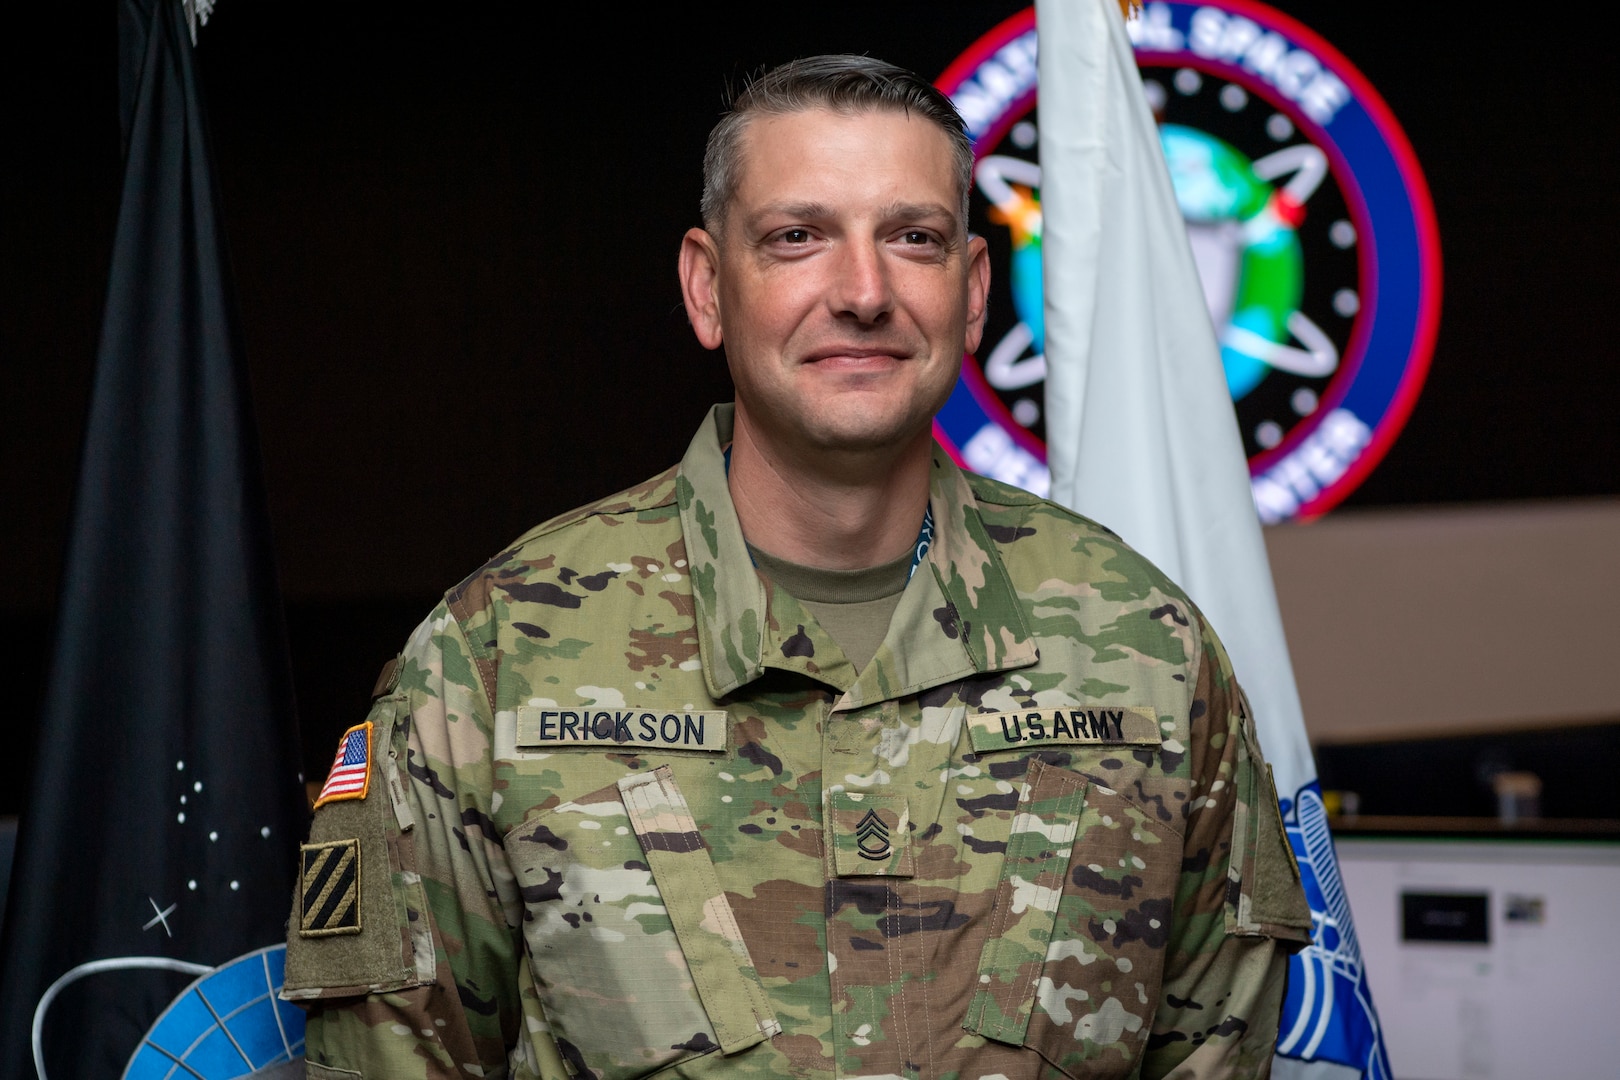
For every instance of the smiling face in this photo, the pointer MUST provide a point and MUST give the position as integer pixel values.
(843, 283)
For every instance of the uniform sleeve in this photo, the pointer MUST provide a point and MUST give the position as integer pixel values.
(422, 980)
(1240, 907)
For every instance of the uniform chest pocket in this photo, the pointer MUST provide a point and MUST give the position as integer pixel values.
(634, 950)
(1079, 927)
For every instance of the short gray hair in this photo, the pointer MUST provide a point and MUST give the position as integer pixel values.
(845, 84)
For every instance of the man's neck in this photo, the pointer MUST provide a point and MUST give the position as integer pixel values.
(849, 513)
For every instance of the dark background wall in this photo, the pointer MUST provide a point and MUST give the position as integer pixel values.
(454, 236)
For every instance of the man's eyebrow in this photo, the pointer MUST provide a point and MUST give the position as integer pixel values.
(918, 211)
(817, 211)
(794, 211)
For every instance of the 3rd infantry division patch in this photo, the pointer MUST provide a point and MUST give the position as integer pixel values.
(329, 888)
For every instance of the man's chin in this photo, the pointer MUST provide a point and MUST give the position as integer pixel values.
(867, 437)
(842, 426)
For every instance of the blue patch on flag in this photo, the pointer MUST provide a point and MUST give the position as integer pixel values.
(1328, 1014)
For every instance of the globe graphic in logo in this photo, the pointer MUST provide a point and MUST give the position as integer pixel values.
(1244, 239)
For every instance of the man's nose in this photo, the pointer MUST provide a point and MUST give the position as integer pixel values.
(862, 290)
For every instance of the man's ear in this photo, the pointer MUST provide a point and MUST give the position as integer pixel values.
(700, 285)
(978, 286)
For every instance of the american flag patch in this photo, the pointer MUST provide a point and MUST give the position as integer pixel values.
(351, 769)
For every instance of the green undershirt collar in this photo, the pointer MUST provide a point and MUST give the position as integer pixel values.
(854, 607)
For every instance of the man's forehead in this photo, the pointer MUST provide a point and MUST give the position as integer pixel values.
(870, 122)
(768, 138)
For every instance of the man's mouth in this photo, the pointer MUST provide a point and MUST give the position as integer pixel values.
(852, 356)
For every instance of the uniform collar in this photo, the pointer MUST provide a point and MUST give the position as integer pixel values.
(963, 618)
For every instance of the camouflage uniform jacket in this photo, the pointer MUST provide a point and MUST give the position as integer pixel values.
(631, 813)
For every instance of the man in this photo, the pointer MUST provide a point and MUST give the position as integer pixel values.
(813, 756)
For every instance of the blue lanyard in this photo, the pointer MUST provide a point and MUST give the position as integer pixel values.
(919, 550)
(925, 540)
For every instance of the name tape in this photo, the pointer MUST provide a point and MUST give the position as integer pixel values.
(630, 729)
(1130, 725)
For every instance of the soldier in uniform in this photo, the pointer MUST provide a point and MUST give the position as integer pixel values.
(813, 756)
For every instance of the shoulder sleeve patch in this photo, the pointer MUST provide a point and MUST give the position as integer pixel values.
(357, 891)
(1277, 899)
(350, 777)
(329, 888)
(1265, 897)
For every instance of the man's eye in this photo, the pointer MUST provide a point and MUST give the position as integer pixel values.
(795, 236)
(916, 236)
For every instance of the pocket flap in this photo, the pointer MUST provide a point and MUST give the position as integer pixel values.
(1025, 912)
(710, 939)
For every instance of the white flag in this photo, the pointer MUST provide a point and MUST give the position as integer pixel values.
(1142, 436)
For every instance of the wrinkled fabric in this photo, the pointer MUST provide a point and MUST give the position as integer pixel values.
(647, 818)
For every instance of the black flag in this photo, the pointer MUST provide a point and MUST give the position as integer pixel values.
(165, 807)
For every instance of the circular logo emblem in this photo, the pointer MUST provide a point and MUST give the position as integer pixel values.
(1309, 221)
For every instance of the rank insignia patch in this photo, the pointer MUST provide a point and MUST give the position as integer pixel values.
(350, 777)
(870, 834)
(329, 888)
(872, 837)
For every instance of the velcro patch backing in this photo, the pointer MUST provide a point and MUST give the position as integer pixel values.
(329, 888)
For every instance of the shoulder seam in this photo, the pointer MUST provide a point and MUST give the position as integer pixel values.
(996, 493)
(483, 663)
(632, 500)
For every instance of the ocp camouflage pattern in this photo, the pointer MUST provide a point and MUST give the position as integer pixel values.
(883, 873)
